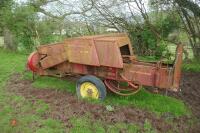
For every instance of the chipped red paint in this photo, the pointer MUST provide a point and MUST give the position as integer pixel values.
(33, 61)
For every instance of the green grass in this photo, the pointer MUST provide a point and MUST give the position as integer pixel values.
(85, 125)
(28, 116)
(192, 66)
(154, 102)
(46, 82)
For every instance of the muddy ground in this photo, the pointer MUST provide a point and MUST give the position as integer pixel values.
(190, 94)
(65, 105)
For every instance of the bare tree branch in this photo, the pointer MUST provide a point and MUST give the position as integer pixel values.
(39, 3)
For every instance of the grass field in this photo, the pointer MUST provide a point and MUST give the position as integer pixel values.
(29, 115)
(13, 107)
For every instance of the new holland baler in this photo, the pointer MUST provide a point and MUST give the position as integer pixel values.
(104, 62)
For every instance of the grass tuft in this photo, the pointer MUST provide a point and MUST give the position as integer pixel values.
(192, 66)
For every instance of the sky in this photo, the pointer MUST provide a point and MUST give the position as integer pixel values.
(57, 8)
(74, 3)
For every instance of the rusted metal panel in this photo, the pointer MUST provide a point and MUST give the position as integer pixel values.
(53, 54)
(140, 73)
(164, 77)
(79, 68)
(149, 75)
(109, 54)
(121, 41)
(177, 67)
(97, 50)
(51, 49)
(114, 35)
(52, 60)
(82, 51)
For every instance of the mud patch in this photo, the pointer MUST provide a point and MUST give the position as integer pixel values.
(64, 106)
(190, 94)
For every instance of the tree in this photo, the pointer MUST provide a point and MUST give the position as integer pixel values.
(130, 16)
(5, 15)
(83, 7)
(189, 14)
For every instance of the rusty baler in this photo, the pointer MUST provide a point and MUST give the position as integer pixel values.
(104, 61)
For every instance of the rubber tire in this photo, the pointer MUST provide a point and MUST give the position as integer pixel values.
(94, 80)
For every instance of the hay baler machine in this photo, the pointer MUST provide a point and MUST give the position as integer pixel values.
(104, 61)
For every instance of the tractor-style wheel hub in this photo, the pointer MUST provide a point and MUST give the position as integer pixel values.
(89, 90)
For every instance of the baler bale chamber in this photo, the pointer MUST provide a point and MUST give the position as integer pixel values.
(104, 61)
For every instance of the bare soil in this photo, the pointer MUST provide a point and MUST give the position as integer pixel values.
(190, 94)
(64, 106)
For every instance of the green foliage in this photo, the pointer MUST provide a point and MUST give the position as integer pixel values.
(145, 38)
(191, 66)
(147, 58)
(25, 25)
(20, 20)
(168, 23)
(24, 28)
(149, 38)
(5, 13)
(49, 30)
(147, 43)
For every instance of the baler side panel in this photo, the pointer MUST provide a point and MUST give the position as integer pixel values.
(109, 54)
(53, 55)
(82, 51)
(148, 75)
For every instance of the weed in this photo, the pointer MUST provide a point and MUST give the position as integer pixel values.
(148, 127)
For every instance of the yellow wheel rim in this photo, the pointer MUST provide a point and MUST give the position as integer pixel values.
(89, 90)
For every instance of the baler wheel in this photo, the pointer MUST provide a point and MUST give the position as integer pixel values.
(116, 87)
(90, 87)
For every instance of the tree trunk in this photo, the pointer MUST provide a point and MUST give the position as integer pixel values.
(9, 40)
(196, 52)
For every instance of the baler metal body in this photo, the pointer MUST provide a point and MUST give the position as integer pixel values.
(109, 57)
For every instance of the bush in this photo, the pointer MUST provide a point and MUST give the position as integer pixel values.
(146, 43)
(191, 66)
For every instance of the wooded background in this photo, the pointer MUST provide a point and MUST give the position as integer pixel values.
(154, 26)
